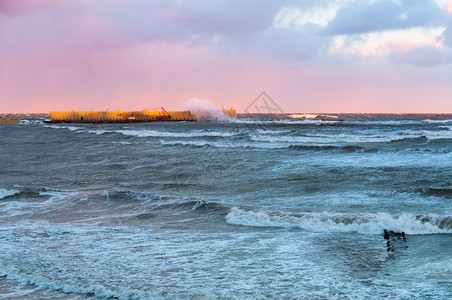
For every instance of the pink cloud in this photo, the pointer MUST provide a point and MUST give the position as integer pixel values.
(16, 8)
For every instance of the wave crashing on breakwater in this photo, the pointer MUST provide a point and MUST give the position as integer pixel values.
(205, 110)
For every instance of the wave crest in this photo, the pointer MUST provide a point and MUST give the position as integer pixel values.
(370, 223)
(8, 193)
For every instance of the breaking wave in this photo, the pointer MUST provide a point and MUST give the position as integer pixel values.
(324, 139)
(163, 134)
(8, 193)
(438, 121)
(369, 223)
(71, 128)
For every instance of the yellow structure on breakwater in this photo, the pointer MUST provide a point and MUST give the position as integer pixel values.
(126, 116)
(9, 119)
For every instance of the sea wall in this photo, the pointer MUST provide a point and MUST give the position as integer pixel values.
(106, 116)
(125, 116)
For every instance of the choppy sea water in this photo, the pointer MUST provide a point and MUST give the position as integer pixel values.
(259, 207)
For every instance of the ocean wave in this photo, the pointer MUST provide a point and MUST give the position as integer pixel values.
(186, 206)
(163, 134)
(8, 193)
(71, 128)
(436, 191)
(324, 139)
(129, 195)
(424, 135)
(346, 148)
(288, 122)
(409, 135)
(225, 144)
(161, 202)
(99, 132)
(76, 286)
(56, 194)
(437, 121)
(369, 223)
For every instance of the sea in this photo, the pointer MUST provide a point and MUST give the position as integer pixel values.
(264, 206)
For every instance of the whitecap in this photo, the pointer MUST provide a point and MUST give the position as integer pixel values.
(8, 193)
(369, 223)
(163, 134)
(71, 128)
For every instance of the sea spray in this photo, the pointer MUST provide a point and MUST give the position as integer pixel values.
(204, 110)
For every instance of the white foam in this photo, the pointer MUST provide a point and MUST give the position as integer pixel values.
(438, 121)
(324, 139)
(7, 193)
(73, 286)
(56, 195)
(204, 110)
(370, 223)
(268, 131)
(71, 128)
(99, 132)
(163, 134)
(429, 134)
(289, 121)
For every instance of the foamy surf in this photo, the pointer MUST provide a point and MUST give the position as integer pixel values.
(367, 223)
(163, 134)
(8, 193)
(126, 216)
(74, 286)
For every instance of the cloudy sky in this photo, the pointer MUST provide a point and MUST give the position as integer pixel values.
(307, 55)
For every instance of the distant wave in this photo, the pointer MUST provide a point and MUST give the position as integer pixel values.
(287, 122)
(346, 148)
(129, 195)
(410, 135)
(162, 202)
(437, 121)
(306, 147)
(7, 193)
(371, 223)
(325, 139)
(71, 128)
(424, 135)
(149, 133)
(225, 144)
(162, 134)
(56, 194)
(436, 191)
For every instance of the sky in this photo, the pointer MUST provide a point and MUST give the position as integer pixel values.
(361, 56)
